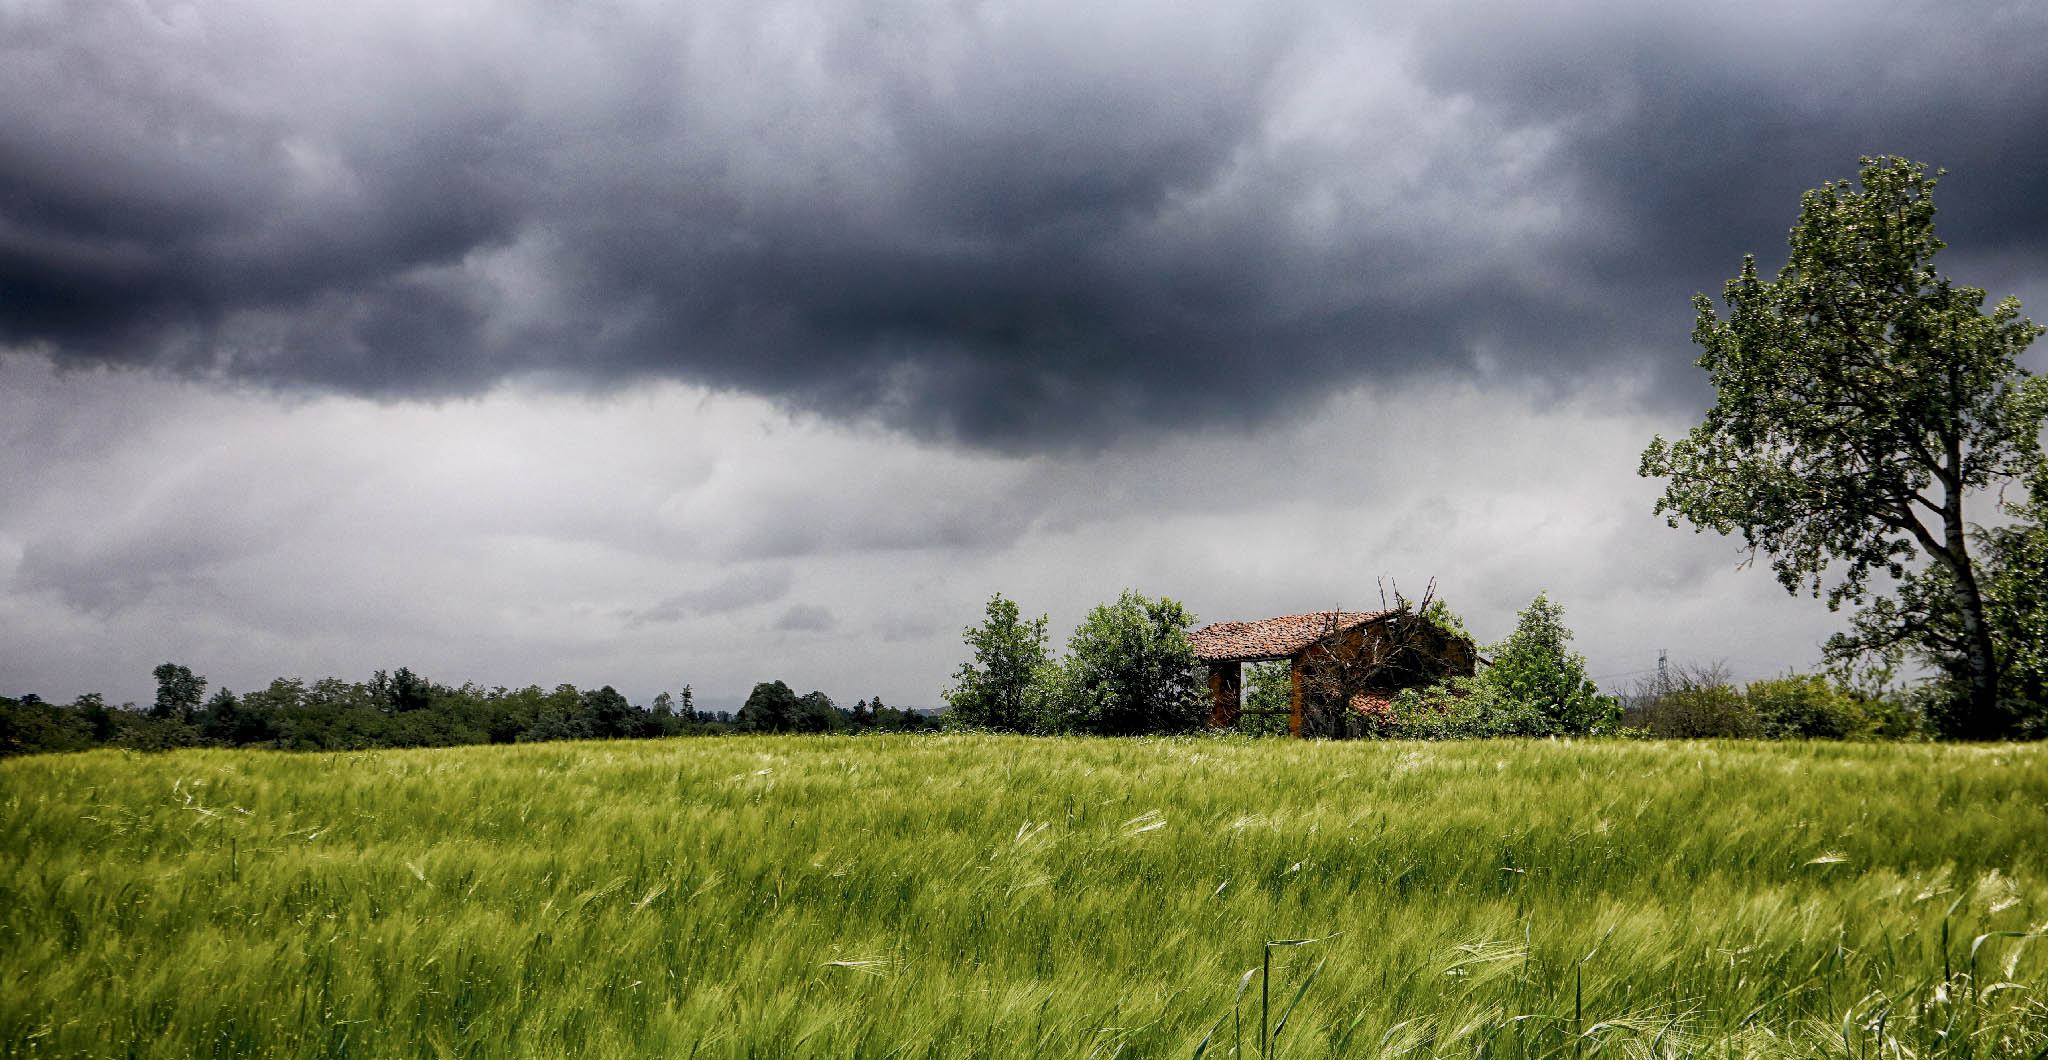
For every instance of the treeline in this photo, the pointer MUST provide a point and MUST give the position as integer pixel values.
(775, 707)
(403, 709)
(1702, 703)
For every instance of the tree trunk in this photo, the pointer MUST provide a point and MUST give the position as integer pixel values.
(1981, 721)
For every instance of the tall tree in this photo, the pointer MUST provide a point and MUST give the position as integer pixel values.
(1861, 399)
(408, 690)
(608, 713)
(815, 712)
(1001, 687)
(178, 692)
(771, 707)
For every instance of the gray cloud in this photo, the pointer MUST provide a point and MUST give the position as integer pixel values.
(1020, 226)
(510, 540)
(806, 618)
(721, 597)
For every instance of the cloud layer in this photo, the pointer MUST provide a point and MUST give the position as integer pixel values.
(1032, 227)
(642, 342)
(673, 535)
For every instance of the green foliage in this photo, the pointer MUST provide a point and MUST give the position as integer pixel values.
(815, 712)
(1536, 666)
(151, 732)
(1439, 614)
(1004, 687)
(177, 692)
(1268, 686)
(774, 707)
(1805, 707)
(2014, 576)
(608, 714)
(770, 707)
(402, 690)
(559, 715)
(1461, 708)
(396, 709)
(889, 719)
(1861, 396)
(1130, 670)
(226, 722)
(980, 896)
(29, 727)
(1704, 711)
(1536, 686)
(1701, 703)
(1921, 622)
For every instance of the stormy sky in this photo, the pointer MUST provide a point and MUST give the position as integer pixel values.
(650, 343)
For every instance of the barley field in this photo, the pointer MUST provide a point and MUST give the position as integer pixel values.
(976, 896)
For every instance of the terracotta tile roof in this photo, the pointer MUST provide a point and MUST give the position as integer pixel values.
(1272, 638)
(1377, 704)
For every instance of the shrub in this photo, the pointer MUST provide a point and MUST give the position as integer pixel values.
(1805, 707)
(1536, 686)
(1701, 703)
(1462, 708)
(1131, 670)
(1703, 712)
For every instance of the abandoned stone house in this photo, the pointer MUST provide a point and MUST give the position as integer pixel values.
(1358, 658)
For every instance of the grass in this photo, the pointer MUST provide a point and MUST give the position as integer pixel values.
(988, 896)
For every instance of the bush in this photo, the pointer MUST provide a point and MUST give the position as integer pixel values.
(150, 732)
(1130, 670)
(1536, 686)
(1705, 712)
(1701, 703)
(1461, 708)
(1893, 717)
(1805, 707)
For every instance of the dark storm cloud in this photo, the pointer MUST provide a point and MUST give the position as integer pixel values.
(1691, 134)
(1021, 226)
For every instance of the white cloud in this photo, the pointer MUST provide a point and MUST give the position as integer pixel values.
(670, 535)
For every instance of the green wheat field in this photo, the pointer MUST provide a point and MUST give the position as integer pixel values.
(974, 896)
